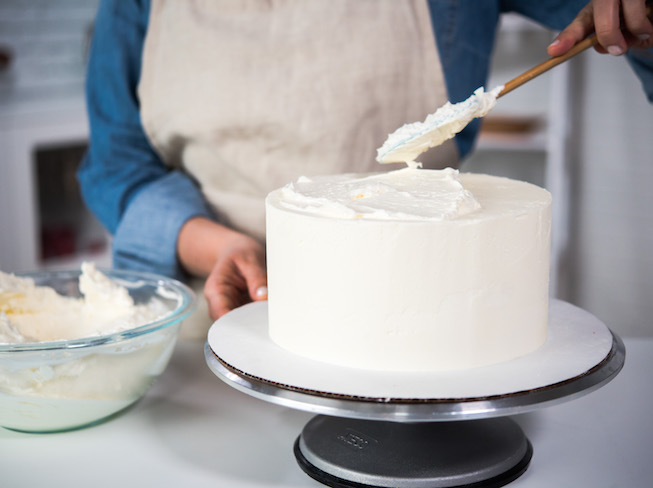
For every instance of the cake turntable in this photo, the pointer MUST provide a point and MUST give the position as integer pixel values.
(415, 430)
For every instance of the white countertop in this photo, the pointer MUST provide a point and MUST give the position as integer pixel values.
(193, 430)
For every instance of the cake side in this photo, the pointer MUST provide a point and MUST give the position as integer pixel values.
(403, 293)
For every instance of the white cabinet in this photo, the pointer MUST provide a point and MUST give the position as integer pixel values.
(44, 222)
(43, 130)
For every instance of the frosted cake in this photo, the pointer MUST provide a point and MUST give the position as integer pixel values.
(409, 270)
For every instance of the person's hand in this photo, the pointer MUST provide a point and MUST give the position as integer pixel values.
(238, 276)
(619, 25)
(233, 263)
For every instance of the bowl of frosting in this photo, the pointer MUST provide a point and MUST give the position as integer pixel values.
(77, 347)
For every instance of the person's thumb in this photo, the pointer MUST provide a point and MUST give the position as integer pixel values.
(256, 279)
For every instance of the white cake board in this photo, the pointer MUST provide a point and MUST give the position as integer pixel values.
(580, 355)
(240, 347)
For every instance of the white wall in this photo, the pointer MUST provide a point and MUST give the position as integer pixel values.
(612, 232)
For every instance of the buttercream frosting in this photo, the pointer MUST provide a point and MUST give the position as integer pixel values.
(31, 313)
(410, 140)
(406, 194)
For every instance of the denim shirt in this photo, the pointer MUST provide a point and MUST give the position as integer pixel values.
(144, 204)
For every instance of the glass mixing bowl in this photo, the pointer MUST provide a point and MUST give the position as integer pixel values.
(70, 384)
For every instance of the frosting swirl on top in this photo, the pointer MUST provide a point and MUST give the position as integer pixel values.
(405, 194)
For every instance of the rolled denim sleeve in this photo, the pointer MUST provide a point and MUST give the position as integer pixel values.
(146, 238)
(122, 179)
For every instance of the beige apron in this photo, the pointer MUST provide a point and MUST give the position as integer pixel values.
(248, 95)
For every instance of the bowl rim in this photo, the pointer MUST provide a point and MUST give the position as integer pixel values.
(187, 305)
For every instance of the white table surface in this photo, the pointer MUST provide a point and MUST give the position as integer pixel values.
(192, 430)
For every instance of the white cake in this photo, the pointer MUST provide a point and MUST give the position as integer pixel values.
(410, 270)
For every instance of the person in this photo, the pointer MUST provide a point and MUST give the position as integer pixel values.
(198, 109)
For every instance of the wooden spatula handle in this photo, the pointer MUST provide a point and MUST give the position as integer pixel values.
(548, 64)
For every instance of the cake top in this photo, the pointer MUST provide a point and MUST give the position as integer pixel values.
(405, 194)
(408, 194)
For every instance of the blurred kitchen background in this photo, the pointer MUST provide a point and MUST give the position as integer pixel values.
(583, 130)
